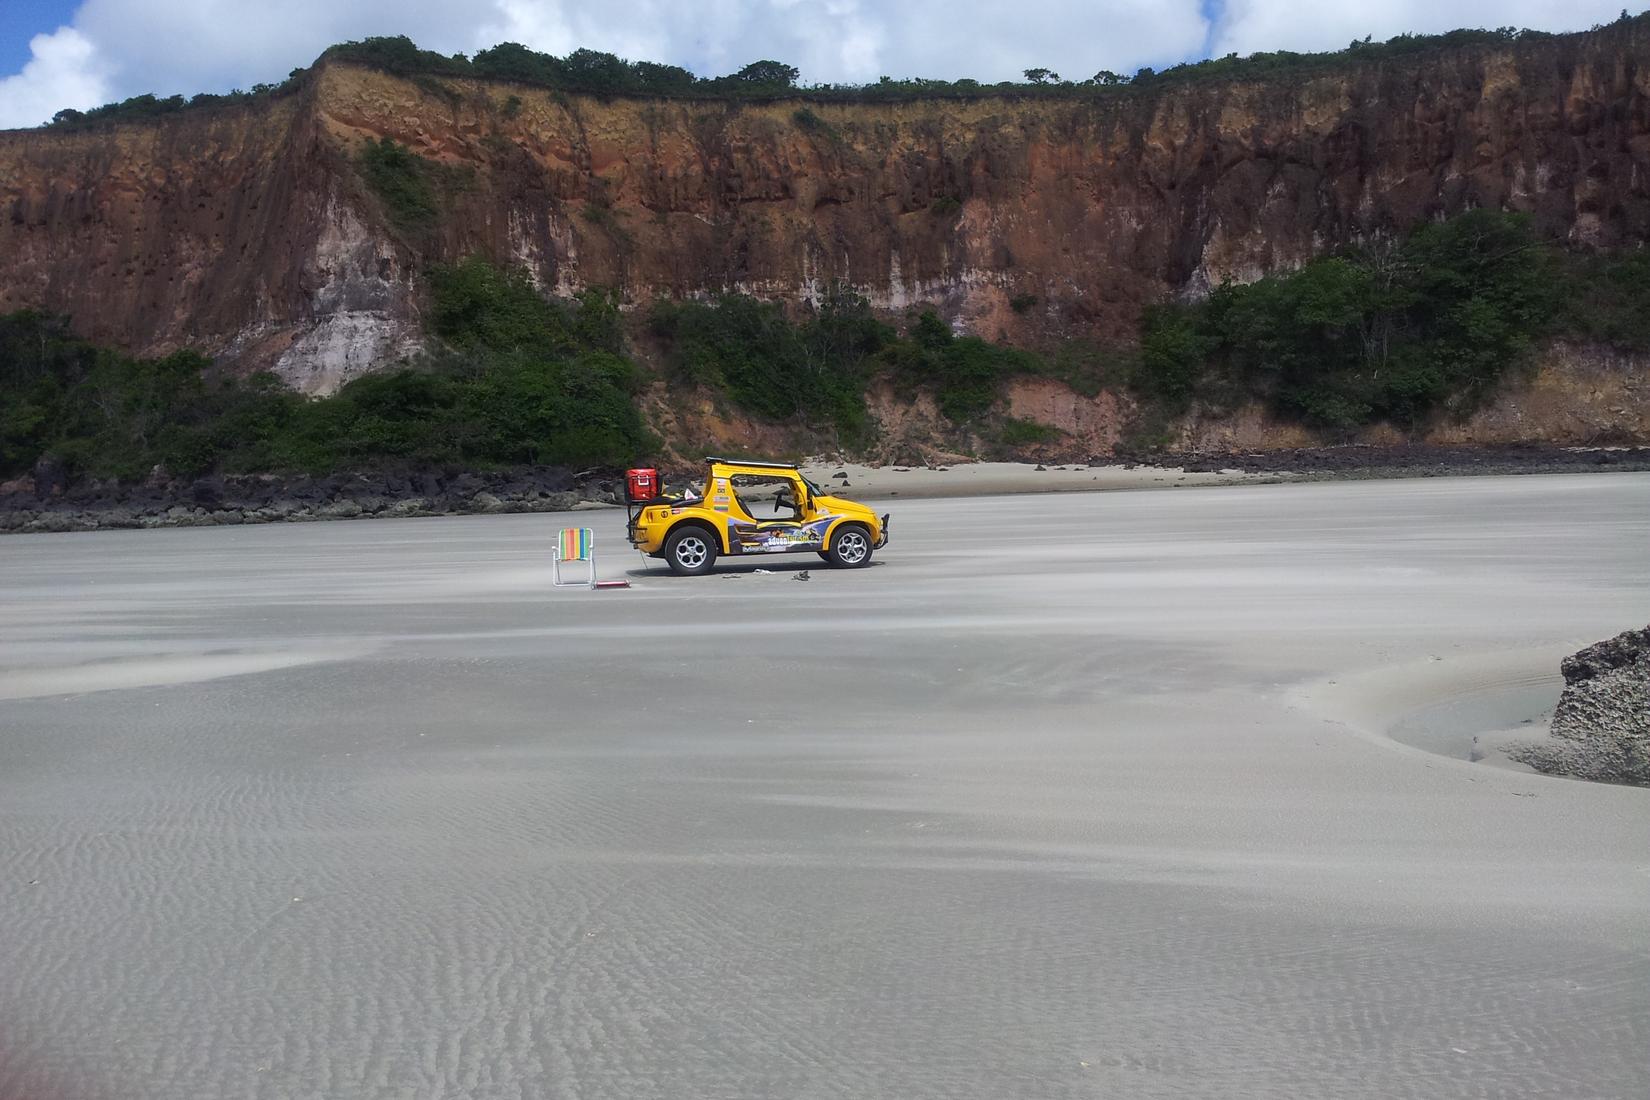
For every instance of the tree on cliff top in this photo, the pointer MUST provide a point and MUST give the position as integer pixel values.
(765, 76)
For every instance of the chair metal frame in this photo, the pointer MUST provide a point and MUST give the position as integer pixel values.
(574, 544)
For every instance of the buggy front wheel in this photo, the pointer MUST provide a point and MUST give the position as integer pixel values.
(850, 547)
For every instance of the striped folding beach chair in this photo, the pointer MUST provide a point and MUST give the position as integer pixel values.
(575, 544)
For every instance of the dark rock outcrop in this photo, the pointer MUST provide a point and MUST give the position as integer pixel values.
(162, 502)
(1601, 728)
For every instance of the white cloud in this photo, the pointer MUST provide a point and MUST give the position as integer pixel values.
(1076, 40)
(187, 46)
(118, 48)
(64, 70)
(1250, 25)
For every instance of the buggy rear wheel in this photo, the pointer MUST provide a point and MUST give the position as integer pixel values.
(690, 551)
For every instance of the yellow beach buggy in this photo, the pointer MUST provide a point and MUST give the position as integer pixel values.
(690, 531)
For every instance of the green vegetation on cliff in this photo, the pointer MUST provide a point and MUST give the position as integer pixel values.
(414, 191)
(142, 108)
(1393, 332)
(96, 409)
(964, 373)
(1608, 299)
(519, 380)
(1399, 332)
(809, 373)
(814, 371)
(402, 181)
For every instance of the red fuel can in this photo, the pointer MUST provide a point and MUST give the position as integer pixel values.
(641, 484)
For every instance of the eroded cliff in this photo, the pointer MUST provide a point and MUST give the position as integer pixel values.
(248, 231)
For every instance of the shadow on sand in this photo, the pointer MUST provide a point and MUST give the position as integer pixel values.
(737, 568)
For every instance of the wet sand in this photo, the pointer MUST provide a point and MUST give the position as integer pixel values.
(1075, 796)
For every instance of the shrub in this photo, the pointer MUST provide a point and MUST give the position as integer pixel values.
(814, 372)
(1174, 344)
(964, 373)
(806, 120)
(402, 181)
(475, 305)
(1090, 368)
(1396, 333)
(1026, 433)
(1606, 297)
(515, 379)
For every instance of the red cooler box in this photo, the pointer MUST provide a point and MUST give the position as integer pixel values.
(641, 485)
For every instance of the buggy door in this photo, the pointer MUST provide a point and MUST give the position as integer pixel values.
(771, 527)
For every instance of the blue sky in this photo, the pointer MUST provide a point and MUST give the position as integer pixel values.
(80, 53)
(21, 20)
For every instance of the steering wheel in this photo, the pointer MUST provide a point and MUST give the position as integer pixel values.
(784, 499)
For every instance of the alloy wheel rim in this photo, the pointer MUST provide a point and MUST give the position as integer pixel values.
(691, 552)
(852, 546)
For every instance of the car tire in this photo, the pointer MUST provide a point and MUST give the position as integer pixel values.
(690, 551)
(850, 547)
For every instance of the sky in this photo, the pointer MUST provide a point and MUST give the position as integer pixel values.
(82, 53)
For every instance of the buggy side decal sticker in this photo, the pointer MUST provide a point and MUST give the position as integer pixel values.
(747, 537)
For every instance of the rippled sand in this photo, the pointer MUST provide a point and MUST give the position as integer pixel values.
(1066, 797)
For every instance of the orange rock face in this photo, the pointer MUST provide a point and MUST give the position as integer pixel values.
(247, 231)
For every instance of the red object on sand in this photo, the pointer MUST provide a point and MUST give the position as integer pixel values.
(612, 584)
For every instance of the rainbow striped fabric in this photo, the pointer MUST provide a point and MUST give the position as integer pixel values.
(577, 543)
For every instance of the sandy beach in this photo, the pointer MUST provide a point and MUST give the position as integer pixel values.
(1132, 794)
(994, 478)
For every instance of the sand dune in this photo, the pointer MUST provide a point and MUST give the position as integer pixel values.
(1089, 795)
